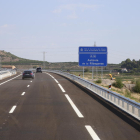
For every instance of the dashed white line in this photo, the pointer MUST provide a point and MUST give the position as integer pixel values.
(12, 109)
(92, 132)
(23, 93)
(9, 80)
(74, 107)
(31, 81)
(28, 85)
(61, 88)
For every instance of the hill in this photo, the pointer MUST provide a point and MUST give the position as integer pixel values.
(10, 59)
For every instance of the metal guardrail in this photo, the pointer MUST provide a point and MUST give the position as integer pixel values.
(125, 104)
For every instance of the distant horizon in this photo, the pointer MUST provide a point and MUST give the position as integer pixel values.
(54, 62)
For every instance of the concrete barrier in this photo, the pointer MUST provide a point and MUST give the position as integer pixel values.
(7, 73)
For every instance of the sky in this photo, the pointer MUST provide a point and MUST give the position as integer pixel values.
(58, 27)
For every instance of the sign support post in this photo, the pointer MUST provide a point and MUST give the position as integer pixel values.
(101, 72)
(92, 73)
(83, 72)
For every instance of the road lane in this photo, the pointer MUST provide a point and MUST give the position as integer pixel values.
(10, 95)
(44, 114)
(106, 123)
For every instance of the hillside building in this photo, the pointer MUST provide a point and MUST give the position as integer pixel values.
(124, 70)
(8, 67)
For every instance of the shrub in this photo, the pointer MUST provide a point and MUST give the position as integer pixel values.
(137, 86)
(99, 81)
(133, 81)
(128, 93)
(118, 83)
(86, 70)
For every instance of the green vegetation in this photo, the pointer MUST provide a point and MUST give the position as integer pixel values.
(99, 81)
(137, 86)
(127, 94)
(23, 62)
(14, 60)
(118, 83)
(133, 81)
(132, 66)
(86, 70)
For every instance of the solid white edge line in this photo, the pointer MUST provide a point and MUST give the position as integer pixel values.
(56, 81)
(74, 107)
(53, 78)
(92, 132)
(23, 93)
(9, 80)
(12, 109)
(61, 88)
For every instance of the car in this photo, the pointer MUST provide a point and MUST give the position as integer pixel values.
(28, 74)
(38, 70)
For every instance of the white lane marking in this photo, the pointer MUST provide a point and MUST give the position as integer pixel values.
(31, 81)
(56, 81)
(9, 80)
(28, 85)
(53, 78)
(12, 109)
(74, 107)
(61, 88)
(92, 132)
(23, 93)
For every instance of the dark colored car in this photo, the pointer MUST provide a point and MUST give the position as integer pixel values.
(28, 74)
(38, 70)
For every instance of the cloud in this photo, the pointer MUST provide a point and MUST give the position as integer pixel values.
(72, 16)
(64, 24)
(9, 26)
(73, 8)
(7, 29)
(57, 11)
(4, 26)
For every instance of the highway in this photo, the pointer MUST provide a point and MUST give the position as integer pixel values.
(51, 107)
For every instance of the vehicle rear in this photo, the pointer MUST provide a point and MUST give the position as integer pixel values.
(28, 74)
(38, 70)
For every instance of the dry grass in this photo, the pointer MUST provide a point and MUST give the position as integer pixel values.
(124, 91)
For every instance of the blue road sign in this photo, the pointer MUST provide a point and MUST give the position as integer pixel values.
(92, 56)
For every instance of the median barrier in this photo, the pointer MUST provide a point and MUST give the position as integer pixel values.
(7, 73)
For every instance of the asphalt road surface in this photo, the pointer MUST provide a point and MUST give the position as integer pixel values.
(51, 107)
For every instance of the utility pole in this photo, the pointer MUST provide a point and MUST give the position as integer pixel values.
(0, 62)
(44, 60)
(94, 44)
